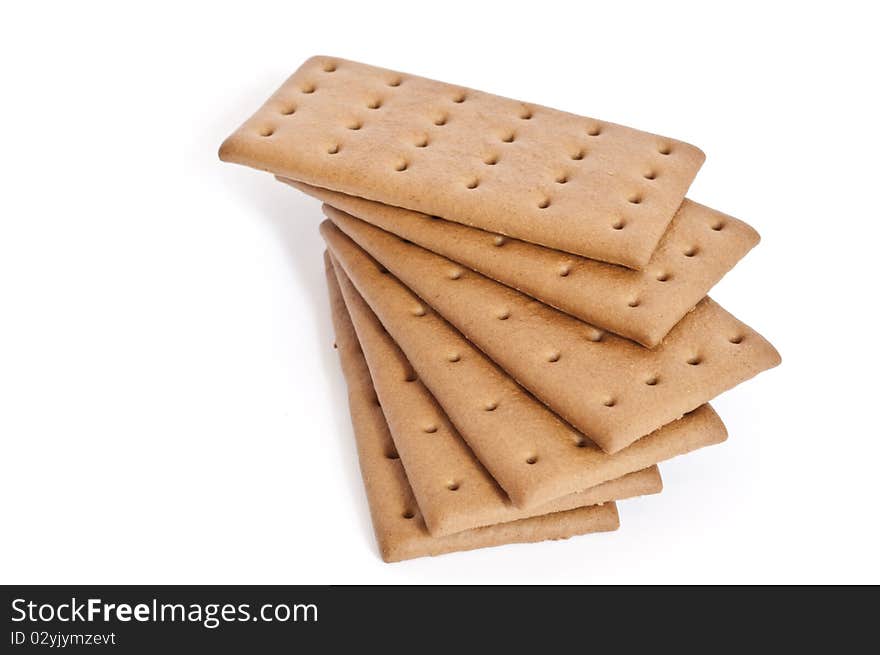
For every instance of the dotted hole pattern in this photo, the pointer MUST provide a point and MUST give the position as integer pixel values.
(593, 132)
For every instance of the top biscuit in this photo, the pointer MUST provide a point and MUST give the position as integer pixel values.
(573, 183)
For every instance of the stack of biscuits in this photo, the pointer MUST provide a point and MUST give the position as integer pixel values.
(518, 296)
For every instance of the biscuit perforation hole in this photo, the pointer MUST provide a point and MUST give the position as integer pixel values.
(330, 67)
(408, 514)
(491, 406)
(635, 199)
(441, 120)
(401, 166)
(375, 103)
(422, 141)
(430, 429)
(455, 274)
(652, 381)
(544, 203)
(691, 252)
(696, 360)
(503, 315)
(394, 81)
(508, 137)
(635, 302)
(609, 402)
(665, 149)
(578, 155)
(267, 131)
(491, 160)
(594, 130)
(334, 149)
(308, 88)
(459, 97)
(419, 311)
(473, 183)
(581, 442)
(289, 110)
(410, 376)
(532, 459)
(663, 277)
(526, 114)
(595, 336)
(650, 175)
(553, 357)
(718, 226)
(391, 454)
(453, 486)
(355, 125)
(562, 179)
(619, 224)
(499, 241)
(736, 339)
(565, 270)
(453, 358)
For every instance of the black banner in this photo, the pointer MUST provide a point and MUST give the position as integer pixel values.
(151, 619)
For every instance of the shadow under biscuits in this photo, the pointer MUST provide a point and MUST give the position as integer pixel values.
(294, 220)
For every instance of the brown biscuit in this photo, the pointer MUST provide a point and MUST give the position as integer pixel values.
(400, 530)
(640, 305)
(573, 183)
(534, 455)
(453, 490)
(611, 389)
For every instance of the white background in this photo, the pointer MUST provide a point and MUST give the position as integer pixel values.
(171, 409)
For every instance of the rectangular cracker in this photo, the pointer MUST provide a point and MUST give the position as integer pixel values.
(612, 390)
(453, 490)
(700, 246)
(531, 452)
(569, 182)
(400, 531)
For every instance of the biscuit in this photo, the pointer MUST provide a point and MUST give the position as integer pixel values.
(612, 390)
(453, 490)
(400, 530)
(532, 453)
(640, 305)
(569, 182)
